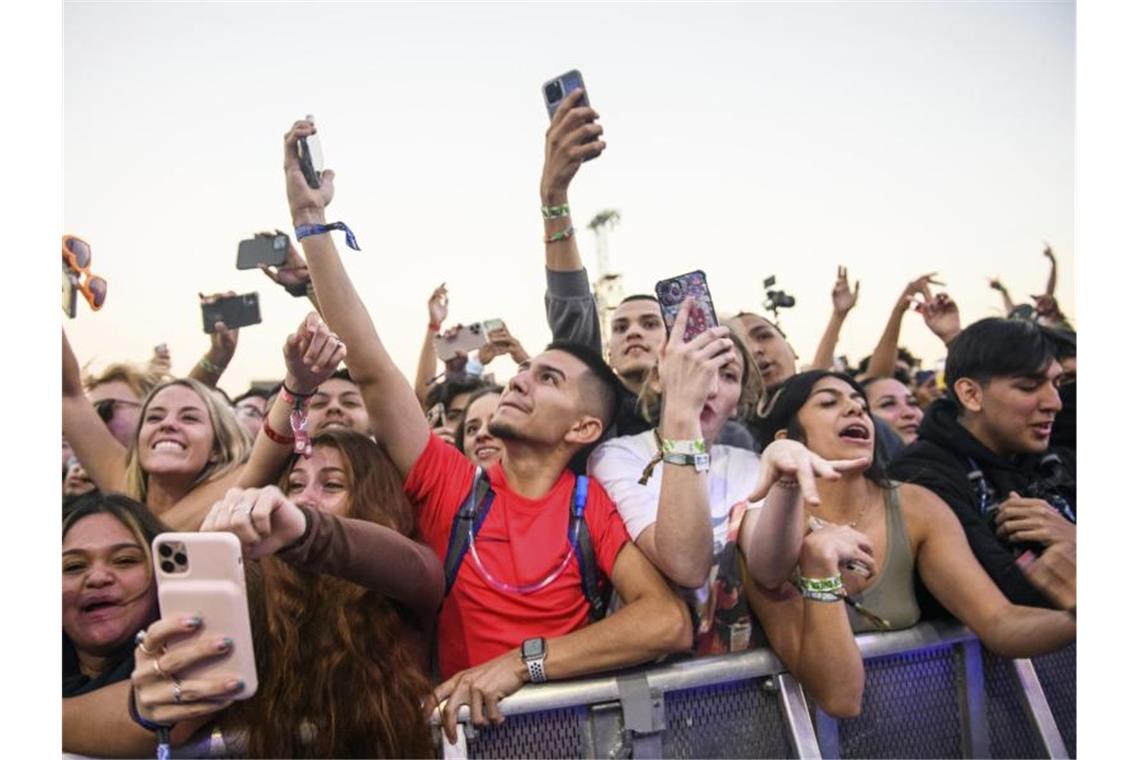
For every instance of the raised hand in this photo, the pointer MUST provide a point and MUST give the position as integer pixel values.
(843, 299)
(437, 305)
(223, 341)
(573, 137)
(312, 355)
(941, 316)
(919, 285)
(306, 204)
(262, 519)
(1048, 253)
(1046, 306)
(688, 370)
(997, 285)
(293, 273)
(784, 461)
(502, 342)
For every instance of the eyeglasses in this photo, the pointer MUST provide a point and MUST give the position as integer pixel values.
(106, 408)
(77, 258)
(252, 412)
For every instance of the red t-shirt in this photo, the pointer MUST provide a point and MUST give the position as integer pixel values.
(520, 542)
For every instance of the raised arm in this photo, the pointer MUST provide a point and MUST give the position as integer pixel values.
(843, 300)
(951, 573)
(886, 353)
(425, 367)
(1006, 301)
(293, 275)
(942, 317)
(101, 455)
(653, 622)
(573, 137)
(395, 413)
(223, 344)
(1051, 284)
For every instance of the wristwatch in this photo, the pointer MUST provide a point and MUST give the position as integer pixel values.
(534, 655)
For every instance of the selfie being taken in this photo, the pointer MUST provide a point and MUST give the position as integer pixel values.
(741, 421)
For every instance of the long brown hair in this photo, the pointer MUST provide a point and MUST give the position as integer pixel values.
(340, 673)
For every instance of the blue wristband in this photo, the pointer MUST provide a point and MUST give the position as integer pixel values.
(304, 230)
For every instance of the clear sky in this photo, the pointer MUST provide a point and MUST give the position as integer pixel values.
(745, 140)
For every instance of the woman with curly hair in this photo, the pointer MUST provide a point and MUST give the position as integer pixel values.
(342, 604)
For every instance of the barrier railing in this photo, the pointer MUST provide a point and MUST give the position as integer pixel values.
(931, 691)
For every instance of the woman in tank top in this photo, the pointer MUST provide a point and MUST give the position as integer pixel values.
(867, 535)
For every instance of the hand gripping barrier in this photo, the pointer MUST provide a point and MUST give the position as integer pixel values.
(931, 691)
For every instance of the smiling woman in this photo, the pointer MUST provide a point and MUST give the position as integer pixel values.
(108, 589)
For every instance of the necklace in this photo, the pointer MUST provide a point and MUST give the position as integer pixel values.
(853, 523)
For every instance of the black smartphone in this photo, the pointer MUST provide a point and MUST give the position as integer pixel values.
(556, 90)
(312, 160)
(262, 250)
(234, 311)
(673, 291)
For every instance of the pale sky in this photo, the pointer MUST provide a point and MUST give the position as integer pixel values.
(744, 140)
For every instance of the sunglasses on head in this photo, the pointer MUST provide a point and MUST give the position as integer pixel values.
(106, 408)
(77, 258)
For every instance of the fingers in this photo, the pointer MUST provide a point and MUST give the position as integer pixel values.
(676, 339)
(163, 631)
(494, 714)
(855, 293)
(264, 505)
(299, 129)
(806, 478)
(767, 477)
(475, 709)
(450, 716)
(178, 659)
(844, 465)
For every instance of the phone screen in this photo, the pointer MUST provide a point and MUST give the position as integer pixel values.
(673, 291)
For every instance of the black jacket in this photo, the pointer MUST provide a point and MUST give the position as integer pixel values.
(939, 461)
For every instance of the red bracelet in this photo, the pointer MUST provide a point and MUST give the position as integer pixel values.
(291, 398)
(273, 435)
(434, 326)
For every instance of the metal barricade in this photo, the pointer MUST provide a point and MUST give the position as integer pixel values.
(931, 691)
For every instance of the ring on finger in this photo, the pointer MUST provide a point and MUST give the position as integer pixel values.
(158, 671)
(140, 642)
(177, 692)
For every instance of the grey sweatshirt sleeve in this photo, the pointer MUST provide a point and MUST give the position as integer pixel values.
(570, 309)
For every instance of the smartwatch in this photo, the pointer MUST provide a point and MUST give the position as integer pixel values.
(534, 655)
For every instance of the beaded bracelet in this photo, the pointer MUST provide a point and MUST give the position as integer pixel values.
(563, 235)
(556, 212)
(820, 596)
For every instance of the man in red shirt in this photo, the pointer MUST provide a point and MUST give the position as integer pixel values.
(516, 612)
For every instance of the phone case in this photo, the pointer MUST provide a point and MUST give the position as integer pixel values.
(673, 291)
(262, 250)
(469, 338)
(568, 82)
(234, 311)
(211, 585)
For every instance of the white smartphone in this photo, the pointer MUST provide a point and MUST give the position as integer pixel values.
(469, 338)
(202, 574)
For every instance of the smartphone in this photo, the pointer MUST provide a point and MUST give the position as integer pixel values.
(69, 294)
(435, 415)
(312, 159)
(262, 250)
(234, 311)
(469, 338)
(202, 574)
(673, 291)
(555, 90)
(491, 325)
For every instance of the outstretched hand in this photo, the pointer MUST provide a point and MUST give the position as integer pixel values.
(502, 342)
(306, 204)
(263, 519)
(223, 340)
(688, 369)
(843, 299)
(997, 285)
(291, 274)
(941, 316)
(574, 136)
(312, 354)
(437, 305)
(785, 460)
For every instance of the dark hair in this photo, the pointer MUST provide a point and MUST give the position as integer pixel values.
(139, 520)
(786, 404)
(257, 392)
(997, 347)
(342, 374)
(639, 297)
(770, 322)
(602, 388)
(902, 375)
(446, 391)
(484, 391)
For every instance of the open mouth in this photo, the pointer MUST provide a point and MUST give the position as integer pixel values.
(168, 445)
(97, 605)
(855, 432)
(487, 452)
(635, 347)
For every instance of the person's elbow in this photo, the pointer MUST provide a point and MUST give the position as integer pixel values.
(674, 629)
(688, 572)
(842, 703)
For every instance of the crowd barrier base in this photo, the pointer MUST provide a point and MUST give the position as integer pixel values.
(931, 691)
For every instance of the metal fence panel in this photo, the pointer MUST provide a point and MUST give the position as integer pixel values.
(547, 734)
(1011, 733)
(1058, 675)
(910, 708)
(739, 719)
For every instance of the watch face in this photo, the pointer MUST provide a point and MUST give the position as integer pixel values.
(533, 647)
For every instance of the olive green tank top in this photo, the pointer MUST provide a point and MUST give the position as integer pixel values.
(891, 594)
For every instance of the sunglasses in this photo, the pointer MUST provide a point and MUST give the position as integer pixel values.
(106, 408)
(77, 257)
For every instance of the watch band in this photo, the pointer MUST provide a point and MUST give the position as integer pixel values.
(535, 663)
(699, 462)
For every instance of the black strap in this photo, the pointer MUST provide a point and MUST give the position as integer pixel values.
(479, 496)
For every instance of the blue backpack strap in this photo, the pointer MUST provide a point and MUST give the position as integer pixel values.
(584, 550)
(474, 509)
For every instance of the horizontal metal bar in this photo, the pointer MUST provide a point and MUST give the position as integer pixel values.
(707, 671)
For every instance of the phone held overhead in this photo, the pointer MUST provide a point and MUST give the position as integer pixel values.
(555, 90)
(270, 250)
(232, 311)
(312, 159)
(673, 291)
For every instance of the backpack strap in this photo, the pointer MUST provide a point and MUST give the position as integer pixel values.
(584, 550)
(474, 509)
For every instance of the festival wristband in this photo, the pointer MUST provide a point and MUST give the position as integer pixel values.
(820, 596)
(829, 585)
(695, 446)
(556, 212)
(557, 236)
(305, 230)
(273, 435)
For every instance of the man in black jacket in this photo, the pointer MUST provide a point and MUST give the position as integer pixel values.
(984, 449)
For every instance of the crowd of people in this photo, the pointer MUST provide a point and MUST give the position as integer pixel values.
(418, 547)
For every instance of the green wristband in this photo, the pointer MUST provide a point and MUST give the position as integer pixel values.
(832, 585)
(563, 235)
(556, 212)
